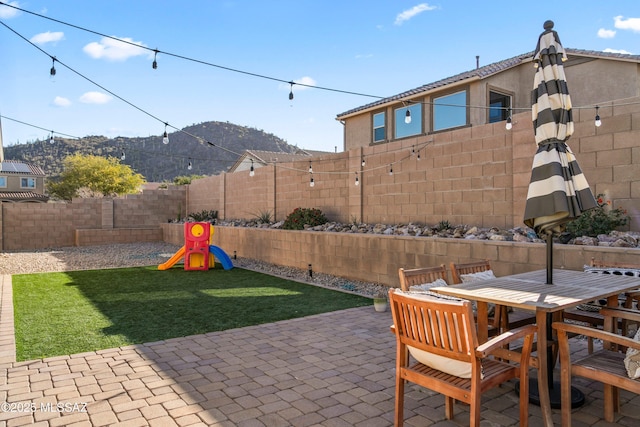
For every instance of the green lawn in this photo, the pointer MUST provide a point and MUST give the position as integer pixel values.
(74, 312)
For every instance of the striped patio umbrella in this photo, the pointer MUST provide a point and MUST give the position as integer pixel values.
(558, 191)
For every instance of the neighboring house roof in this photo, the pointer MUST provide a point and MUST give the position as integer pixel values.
(263, 158)
(484, 72)
(20, 168)
(22, 196)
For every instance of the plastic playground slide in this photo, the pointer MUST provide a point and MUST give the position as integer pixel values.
(222, 256)
(177, 257)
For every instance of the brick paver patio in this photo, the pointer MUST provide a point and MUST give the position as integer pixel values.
(333, 369)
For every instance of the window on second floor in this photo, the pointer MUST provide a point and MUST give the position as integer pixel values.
(379, 129)
(499, 106)
(405, 126)
(3, 182)
(450, 111)
(27, 183)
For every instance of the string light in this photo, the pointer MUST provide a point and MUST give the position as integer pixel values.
(252, 172)
(165, 136)
(190, 165)
(418, 158)
(390, 169)
(52, 72)
(362, 163)
(312, 183)
(357, 180)
(310, 167)
(598, 122)
(291, 91)
(155, 62)
(407, 116)
(122, 156)
(509, 125)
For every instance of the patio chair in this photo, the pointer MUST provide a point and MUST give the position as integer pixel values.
(590, 314)
(605, 365)
(421, 276)
(445, 357)
(504, 319)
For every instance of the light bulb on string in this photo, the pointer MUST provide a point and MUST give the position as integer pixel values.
(363, 162)
(407, 116)
(291, 91)
(52, 72)
(122, 156)
(509, 124)
(357, 180)
(312, 183)
(418, 157)
(413, 150)
(165, 136)
(190, 165)
(310, 167)
(390, 169)
(155, 62)
(251, 170)
(51, 140)
(598, 122)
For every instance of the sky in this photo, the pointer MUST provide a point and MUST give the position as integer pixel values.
(231, 60)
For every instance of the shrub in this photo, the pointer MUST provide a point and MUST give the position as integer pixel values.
(204, 216)
(300, 217)
(264, 217)
(598, 220)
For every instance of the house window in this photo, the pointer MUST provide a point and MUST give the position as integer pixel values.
(499, 106)
(450, 111)
(27, 183)
(378, 127)
(414, 125)
(3, 182)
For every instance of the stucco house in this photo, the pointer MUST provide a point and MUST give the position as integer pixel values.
(21, 182)
(261, 158)
(487, 94)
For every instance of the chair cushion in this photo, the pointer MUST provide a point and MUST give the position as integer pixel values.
(427, 286)
(632, 359)
(482, 275)
(435, 361)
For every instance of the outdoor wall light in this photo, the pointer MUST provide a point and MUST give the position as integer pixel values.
(598, 121)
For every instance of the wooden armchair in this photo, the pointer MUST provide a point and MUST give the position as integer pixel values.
(419, 276)
(430, 327)
(605, 365)
(595, 318)
(504, 319)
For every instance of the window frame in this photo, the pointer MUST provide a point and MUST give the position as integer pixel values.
(507, 109)
(399, 115)
(28, 180)
(383, 127)
(444, 94)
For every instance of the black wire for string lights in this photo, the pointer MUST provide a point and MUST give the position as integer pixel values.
(37, 127)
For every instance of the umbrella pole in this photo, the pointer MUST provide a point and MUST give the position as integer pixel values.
(549, 258)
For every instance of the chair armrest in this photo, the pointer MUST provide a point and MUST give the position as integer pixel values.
(501, 340)
(597, 333)
(621, 313)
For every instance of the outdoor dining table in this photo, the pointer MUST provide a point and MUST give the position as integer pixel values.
(530, 291)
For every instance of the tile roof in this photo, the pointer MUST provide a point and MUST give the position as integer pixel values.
(22, 196)
(483, 72)
(17, 167)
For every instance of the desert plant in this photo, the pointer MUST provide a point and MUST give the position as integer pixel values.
(264, 217)
(300, 217)
(204, 216)
(599, 220)
(443, 225)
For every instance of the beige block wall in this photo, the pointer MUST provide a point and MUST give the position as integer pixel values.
(376, 258)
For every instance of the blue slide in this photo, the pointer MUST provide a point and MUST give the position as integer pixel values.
(221, 256)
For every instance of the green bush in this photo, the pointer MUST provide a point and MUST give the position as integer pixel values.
(598, 220)
(300, 217)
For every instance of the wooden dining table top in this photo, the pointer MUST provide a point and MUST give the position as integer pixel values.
(529, 291)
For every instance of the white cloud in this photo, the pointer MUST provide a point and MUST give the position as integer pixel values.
(95, 98)
(606, 34)
(115, 50)
(364, 55)
(410, 13)
(7, 12)
(622, 51)
(61, 101)
(47, 37)
(632, 24)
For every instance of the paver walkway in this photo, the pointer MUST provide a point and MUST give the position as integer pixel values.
(333, 369)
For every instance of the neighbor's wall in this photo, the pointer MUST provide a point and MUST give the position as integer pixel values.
(376, 258)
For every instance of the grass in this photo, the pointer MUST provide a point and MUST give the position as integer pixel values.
(75, 312)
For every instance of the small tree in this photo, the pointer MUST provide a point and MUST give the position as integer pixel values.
(95, 175)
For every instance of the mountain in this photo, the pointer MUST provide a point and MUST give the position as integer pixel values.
(156, 161)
